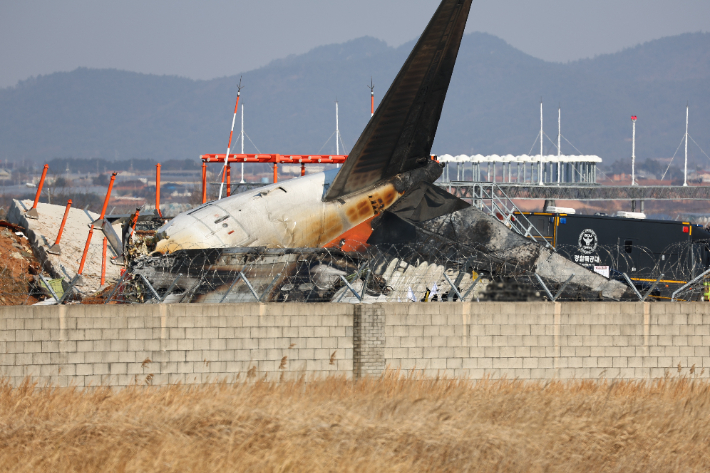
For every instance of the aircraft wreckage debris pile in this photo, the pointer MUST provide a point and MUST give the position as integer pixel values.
(381, 273)
(420, 267)
(278, 243)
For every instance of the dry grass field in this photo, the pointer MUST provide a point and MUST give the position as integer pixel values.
(391, 424)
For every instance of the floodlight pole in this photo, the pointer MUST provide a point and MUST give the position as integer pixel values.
(633, 150)
(539, 168)
(242, 143)
(685, 169)
(559, 143)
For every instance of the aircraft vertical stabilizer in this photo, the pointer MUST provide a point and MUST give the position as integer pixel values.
(399, 136)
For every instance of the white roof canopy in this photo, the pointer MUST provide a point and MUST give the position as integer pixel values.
(509, 158)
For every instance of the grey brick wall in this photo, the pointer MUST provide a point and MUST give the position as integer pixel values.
(159, 344)
(193, 343)
(546, 341)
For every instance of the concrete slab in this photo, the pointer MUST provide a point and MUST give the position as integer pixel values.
(43, 231)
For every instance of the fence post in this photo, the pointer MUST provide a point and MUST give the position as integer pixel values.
(564, 286)
(350, 288)
(631, 285)
(542, 283)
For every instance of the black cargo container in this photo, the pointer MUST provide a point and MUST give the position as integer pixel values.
(642, 248)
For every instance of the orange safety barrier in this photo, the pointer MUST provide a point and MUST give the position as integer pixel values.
(229, 180)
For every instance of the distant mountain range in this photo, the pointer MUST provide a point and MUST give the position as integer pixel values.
(492, 105)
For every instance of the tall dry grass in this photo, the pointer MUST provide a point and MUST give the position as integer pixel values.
(391, 424)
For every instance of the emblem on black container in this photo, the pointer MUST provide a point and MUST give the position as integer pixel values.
(588, 241)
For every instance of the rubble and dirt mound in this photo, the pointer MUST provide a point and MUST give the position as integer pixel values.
(100, 297)
(18, 267)
(42, 233)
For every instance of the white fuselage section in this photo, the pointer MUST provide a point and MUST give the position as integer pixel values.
(288, 214)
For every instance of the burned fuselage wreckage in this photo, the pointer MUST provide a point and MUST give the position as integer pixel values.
(298, 240)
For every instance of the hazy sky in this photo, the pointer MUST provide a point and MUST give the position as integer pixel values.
(213, 38)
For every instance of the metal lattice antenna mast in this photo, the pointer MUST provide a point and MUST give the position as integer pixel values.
(633, 151)
(685, 169)
(242, 142)
(539, 168)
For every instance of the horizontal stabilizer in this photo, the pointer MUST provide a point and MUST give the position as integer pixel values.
(421, 203)
(425, 201)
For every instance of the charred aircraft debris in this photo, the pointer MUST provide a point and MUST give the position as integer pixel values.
(287, 241)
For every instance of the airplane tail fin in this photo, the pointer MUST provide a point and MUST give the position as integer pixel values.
(399, 136)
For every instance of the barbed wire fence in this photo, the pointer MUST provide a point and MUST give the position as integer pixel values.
(395, 273)
(377, 273)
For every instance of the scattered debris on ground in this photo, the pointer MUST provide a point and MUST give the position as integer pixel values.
(42, 233)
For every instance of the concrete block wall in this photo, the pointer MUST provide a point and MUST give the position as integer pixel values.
(194, 343)
(550, 340)
(159, 344)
